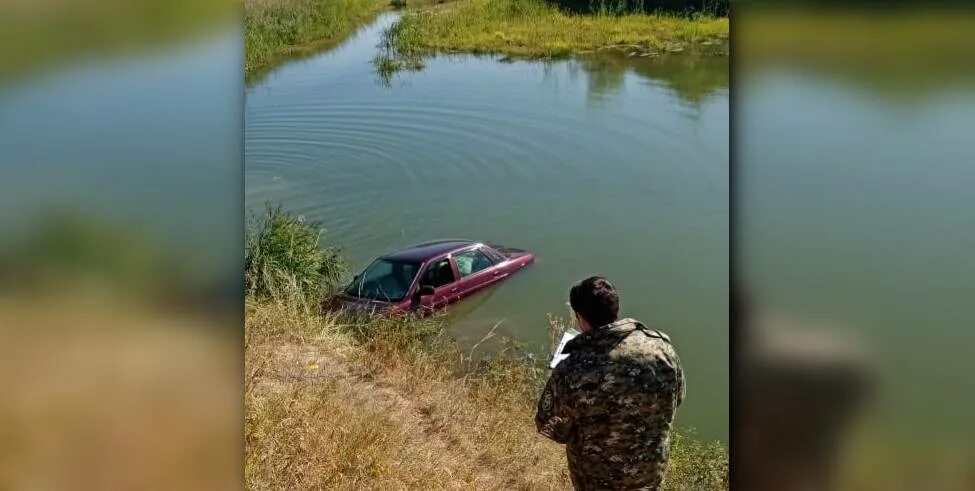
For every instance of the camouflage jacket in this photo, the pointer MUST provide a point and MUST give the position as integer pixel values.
(612, 403)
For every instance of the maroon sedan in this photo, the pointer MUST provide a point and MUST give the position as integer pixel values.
(431, 275)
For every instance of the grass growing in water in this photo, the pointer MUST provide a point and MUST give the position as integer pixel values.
(393, 402)
(538, 29)
(276, 28)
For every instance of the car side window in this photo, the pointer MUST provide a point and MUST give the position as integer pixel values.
(494, 255)
(438, 274)
(471, 262)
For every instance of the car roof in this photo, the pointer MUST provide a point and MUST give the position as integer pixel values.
(428, 250)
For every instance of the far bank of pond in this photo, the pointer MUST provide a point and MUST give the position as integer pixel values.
(542, 29)
(278, 29)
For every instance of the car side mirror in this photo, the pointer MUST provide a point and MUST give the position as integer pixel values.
(425, 290)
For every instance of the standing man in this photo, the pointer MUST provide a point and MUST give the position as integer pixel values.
(612, 401)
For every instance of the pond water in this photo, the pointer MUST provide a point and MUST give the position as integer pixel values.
(606, 165)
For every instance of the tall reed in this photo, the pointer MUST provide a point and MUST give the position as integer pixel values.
(285, 258)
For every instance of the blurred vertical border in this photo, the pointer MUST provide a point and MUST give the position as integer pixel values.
(121, 195)
(852, 229)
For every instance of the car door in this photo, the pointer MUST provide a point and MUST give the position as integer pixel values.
(500, 262)
(440, 275)
(476, 270)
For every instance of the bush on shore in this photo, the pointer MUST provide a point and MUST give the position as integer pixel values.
(284, 258)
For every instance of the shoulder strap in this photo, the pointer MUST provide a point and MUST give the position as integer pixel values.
(653, 333)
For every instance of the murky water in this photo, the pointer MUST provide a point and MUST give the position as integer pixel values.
(603, 166)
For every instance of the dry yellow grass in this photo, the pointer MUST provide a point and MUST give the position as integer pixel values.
(99, 395)
(395, 404)
(324, 411)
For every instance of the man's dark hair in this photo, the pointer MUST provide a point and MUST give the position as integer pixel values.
(595, 300)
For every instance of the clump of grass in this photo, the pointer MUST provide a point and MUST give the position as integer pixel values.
(277, 28)
(388, 64)
(284, 258)
(396, 52)
(538, 29)
(695, 464)
(386, 67)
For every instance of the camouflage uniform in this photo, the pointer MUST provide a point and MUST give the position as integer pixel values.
(612, 402)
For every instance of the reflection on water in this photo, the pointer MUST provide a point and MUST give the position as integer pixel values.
(694, 77)
(617, 167)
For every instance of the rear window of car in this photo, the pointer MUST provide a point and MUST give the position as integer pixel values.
(494, 255)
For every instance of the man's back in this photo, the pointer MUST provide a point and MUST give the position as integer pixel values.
(612, 403)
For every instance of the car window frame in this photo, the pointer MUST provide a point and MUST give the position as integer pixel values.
(414, 283)
(453, 259)
(493, 254)
(432, 262)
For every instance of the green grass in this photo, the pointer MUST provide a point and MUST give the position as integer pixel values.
(537, 29)
(275, 29)
(284, 258)
(340, 402)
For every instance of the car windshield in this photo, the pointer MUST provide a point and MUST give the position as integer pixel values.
(384, 280)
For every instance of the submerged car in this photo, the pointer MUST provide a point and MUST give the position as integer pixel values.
(430, 276)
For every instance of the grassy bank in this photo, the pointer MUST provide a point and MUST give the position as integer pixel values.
(350, 403)
(539, 29)
(274, 29)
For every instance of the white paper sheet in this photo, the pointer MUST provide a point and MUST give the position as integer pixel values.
(559, 356)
